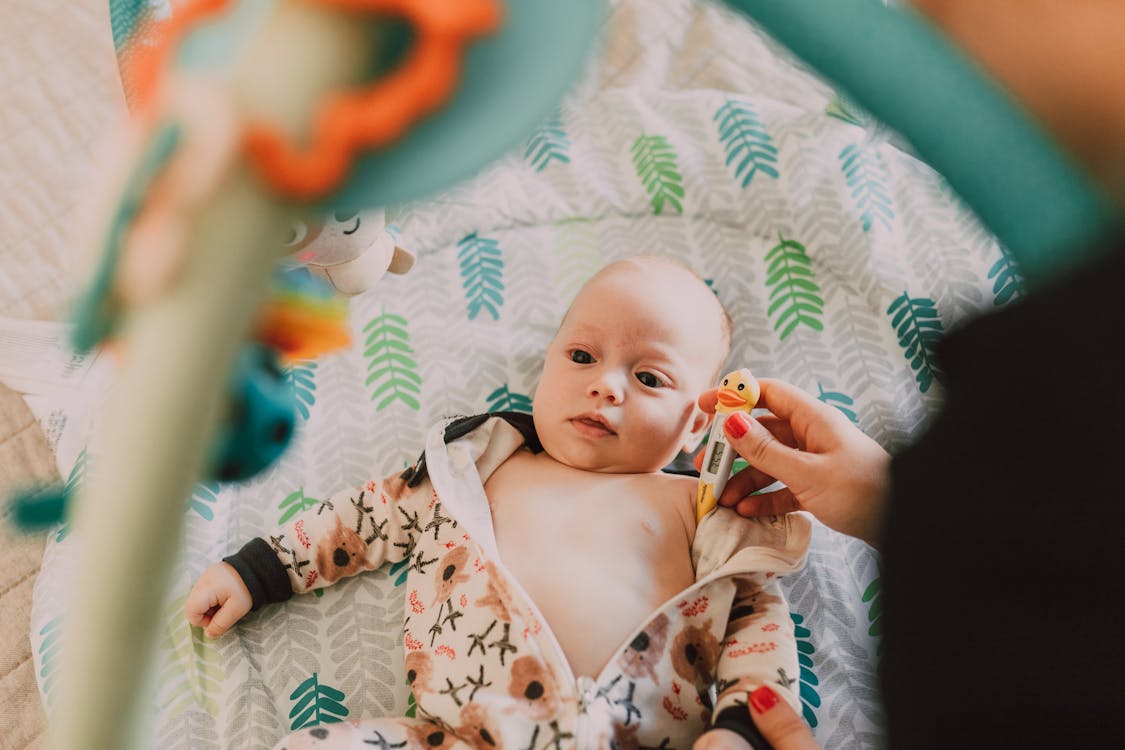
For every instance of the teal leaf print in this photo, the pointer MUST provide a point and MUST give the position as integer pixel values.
(794, 294)
(919, 329)
(315, 704)
(841, 401)
(1008, 283)
(301, 379)
(74, 481)
(655, 162)
(873, 593)
(503, 399)
(390, 366)
(203, 497)
(295, 503)
(192, 675)
(482, 274)
(399, 570)
(867, 179)
(49, 646)
(843, 108)
(744, 138)
(547, 144)
(810, 699)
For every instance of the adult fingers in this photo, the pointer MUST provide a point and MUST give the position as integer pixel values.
(779, 723)
(776, 503)
(744, 482)
(763, 451)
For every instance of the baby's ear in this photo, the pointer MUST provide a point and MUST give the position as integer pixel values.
(700, 422)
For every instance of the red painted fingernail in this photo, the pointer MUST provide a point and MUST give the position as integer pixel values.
(736, 425)
(763, 699)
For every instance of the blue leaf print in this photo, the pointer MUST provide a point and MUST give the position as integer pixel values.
(316, 703)
(73, 481)
(1009, 283)
(839, 400)
(919, 329)
(482, 274)
(867, 178)
(49, 660)
(547, 144)
(810, 699)
(745, 139)
(399, 570)
(202, 498)
(503, 399)
(301, 378)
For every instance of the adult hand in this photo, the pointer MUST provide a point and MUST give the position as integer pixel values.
(830, 468)
(778, 722)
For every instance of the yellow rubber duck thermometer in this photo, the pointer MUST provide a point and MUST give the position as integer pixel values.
(738, 391)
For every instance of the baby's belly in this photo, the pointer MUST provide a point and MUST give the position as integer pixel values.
(595, 588)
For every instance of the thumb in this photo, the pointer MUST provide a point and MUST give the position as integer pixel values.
(782, 727)
(225, 616)
(762, 450)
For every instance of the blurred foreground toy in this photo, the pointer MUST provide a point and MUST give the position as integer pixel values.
(249, 117)
(738, 391)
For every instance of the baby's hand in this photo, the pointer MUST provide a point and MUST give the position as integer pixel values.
(218, 600)
(721, 739)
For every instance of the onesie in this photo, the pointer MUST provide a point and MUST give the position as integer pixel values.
(485, 669)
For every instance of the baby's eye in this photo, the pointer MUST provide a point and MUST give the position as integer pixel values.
(581, 357)
(650, 380)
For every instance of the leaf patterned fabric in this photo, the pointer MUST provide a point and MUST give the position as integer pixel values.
(841, 258)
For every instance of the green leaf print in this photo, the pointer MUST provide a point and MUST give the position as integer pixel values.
(390, 366)
(399, 570)
(747, 144)
(503, 399)
(315, 703)
(548, 143)
(841, 401)
(482, 274)
(843, 108)
(867, 179)
(301, 378)
(192, 675)
(294, 504)
(655, 162)
(919, 329)
(203, 497)
(810, 699)
(794, 294)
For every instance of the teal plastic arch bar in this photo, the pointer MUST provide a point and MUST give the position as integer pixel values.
(1043, 209)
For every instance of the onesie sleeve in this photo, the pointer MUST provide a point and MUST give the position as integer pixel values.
(760, 647)
(352, 531)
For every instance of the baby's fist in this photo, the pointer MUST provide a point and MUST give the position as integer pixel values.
(218, 600)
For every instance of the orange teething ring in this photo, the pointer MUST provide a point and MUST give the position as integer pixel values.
(351, 121)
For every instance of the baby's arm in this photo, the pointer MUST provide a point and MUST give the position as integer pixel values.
(352, 531)
(759, 649)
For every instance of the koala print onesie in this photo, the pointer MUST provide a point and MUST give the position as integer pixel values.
(485, 670)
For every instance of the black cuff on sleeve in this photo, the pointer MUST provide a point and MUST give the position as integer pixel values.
(262, 572)
(737, 719)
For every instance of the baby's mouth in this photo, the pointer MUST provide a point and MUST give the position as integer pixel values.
(592, 426)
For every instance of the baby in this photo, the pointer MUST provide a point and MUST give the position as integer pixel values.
(560, 593)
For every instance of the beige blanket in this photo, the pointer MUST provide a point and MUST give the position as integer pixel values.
(61, 91)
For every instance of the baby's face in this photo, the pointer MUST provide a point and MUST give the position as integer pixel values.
(621, 378)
